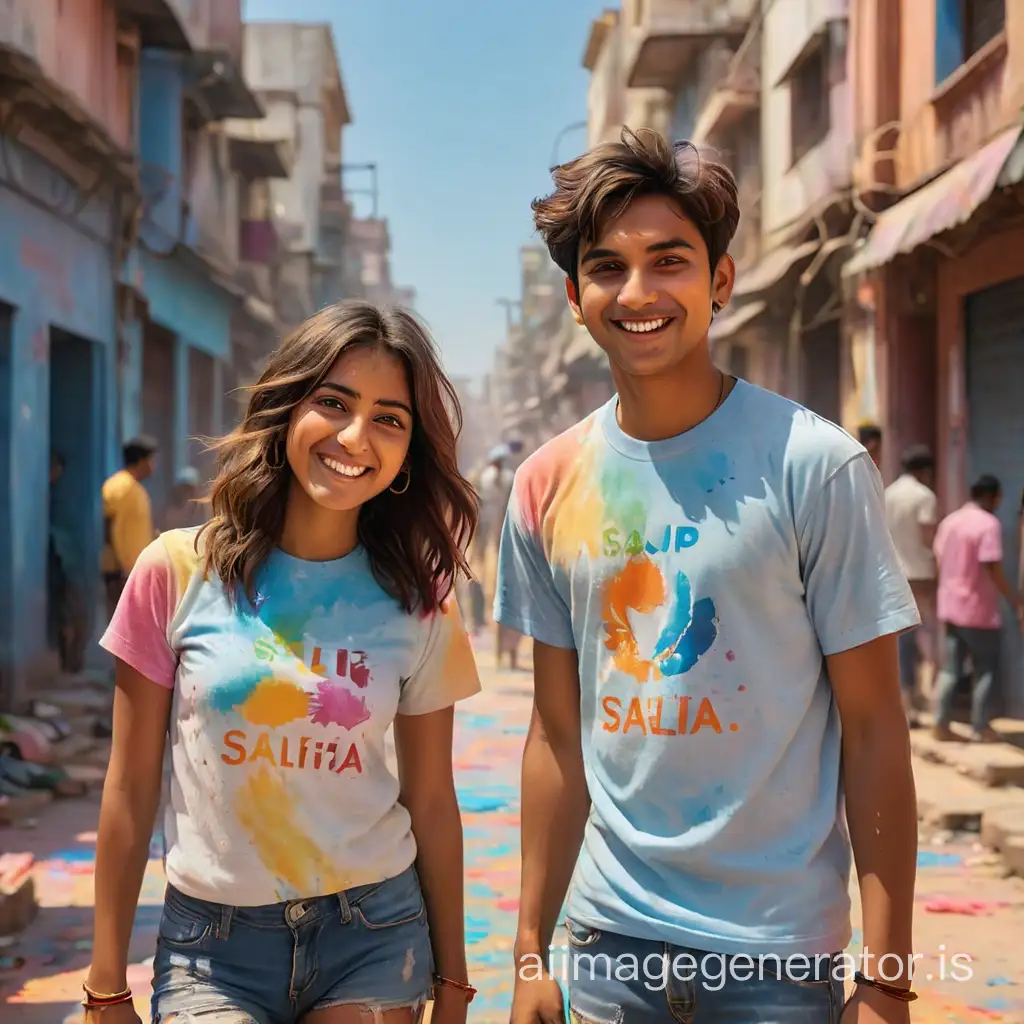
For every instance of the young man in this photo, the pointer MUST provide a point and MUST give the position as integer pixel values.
(969, 551)
(706, 572)
(127, 516)
(911, 510)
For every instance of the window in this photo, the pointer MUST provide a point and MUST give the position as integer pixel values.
(962, 28)
(809, 101)
(983, 21)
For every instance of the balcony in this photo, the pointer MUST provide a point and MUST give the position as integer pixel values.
(671, 33)
(55, 87)
(164, 24)
(735, 92)
(258, 242)
(257, 152)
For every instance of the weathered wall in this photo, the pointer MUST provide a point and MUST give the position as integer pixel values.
(57, 275)
(75, 45)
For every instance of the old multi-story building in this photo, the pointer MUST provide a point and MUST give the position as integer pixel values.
(294, 70)
(368, 262)
(121, 194)
(613, 101)
(936, 292)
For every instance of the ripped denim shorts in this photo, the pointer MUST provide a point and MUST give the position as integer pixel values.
(368, 946)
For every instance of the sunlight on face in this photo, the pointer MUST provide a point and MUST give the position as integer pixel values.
(646, 287)
(349, 439)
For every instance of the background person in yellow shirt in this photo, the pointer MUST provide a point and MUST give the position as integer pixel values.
(127, 516)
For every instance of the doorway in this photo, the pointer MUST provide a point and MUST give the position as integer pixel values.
(159, 385)
(6, 519)
(75, 501)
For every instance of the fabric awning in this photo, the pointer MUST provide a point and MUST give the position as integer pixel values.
(771, 268)
(729, 323)
(944, 203)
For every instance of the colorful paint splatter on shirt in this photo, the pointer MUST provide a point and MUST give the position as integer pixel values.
(281, 708)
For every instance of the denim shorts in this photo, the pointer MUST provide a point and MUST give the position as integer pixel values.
(613, 979)
(367, 946)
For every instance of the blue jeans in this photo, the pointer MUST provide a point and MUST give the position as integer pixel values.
(983, 645)
(368, 946)
(619, 980)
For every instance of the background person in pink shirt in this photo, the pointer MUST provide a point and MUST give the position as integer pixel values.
(969, 553)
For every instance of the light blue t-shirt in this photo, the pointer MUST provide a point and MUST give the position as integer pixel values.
(702, 580)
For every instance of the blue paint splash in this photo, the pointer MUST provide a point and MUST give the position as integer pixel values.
(689, 632)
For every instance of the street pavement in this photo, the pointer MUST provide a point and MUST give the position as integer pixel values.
(964, 906)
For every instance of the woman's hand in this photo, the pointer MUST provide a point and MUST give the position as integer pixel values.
(450, 1006)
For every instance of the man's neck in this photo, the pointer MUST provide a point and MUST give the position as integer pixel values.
(656, 408)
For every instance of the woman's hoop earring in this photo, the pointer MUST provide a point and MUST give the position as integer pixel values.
(276, 466)
(408, 480)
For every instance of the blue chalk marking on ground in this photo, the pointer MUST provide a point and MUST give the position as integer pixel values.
(476, 930)
(930, 859)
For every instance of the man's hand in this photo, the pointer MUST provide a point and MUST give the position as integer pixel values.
(538, 1001)
(869, 1006)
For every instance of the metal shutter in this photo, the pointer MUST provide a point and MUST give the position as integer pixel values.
(994, 321)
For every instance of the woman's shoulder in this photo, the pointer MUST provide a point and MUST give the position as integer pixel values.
(178, 552)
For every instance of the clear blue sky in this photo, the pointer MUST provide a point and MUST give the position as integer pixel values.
(459, 103)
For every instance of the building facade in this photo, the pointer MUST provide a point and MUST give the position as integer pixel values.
(141, 262)
(937, 287)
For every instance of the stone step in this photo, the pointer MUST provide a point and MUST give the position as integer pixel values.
(1013, 855)
(992, 764)
(18, 906)
(1001, 823)
(950, 801)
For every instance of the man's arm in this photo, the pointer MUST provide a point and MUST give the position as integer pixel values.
(555, 801)
(881, 804)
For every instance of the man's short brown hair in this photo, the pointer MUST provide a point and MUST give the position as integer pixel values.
(597, 186)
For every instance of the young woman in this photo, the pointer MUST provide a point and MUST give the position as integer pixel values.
(276, 645)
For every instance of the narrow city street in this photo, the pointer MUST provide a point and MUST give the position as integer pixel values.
(969, 918)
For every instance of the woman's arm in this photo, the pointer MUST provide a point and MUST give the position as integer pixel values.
(131, 795)
(423, 744)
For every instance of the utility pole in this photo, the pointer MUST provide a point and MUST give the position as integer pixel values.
(509, 304)
(372, 191)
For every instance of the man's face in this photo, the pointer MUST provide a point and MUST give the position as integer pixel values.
(646, 288)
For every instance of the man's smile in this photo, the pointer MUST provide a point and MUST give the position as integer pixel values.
(649, 325)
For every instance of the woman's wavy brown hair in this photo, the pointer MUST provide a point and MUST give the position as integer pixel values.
(415, 540)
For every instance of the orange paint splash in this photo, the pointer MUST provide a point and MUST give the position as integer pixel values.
(639, 586)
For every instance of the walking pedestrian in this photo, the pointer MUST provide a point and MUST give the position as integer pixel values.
(277, 645)
(911, 510)
(969, 552)
(715, 599)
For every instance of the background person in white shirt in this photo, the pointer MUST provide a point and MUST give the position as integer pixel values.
(912, 514)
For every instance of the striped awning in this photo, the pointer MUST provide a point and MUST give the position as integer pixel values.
(945, 203)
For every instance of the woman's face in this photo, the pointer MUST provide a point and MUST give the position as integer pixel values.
(349, 439)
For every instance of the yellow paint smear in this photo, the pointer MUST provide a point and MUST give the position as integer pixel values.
(266, 810)
(577, 511)
(275, 702)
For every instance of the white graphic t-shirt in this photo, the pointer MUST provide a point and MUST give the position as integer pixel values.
(280, 788)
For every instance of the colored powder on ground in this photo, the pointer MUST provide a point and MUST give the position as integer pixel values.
(930, 859)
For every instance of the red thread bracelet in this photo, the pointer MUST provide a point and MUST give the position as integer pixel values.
(468, 989)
